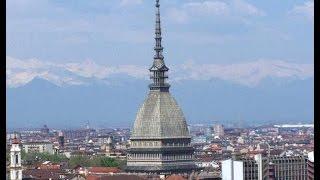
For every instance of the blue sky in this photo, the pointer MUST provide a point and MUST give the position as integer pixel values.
(120, 32)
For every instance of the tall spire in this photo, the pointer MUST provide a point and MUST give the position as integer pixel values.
(158, 69)
(158, 47)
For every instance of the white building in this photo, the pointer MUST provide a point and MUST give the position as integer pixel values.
(227, 169)
(15, 160)
(232, 170)
(242, 169)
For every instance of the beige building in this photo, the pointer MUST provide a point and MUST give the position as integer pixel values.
(39, 147)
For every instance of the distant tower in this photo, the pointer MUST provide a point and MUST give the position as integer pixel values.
(45, 130)
(61, 140)
(218, 130)
(109, 146)
(15, 160)
(160, 141)
(88, 125)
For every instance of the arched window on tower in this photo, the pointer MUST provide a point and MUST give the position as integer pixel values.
(17, 159)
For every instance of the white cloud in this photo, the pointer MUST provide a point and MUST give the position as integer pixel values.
(306, 10)
(245, 8)
(177, 15)
(249, 74)
(20, 72)
(207, 8)
(234, 8)
(134, 71)
(89, 69)
(19, 78)
(130, 2)
(194, 8)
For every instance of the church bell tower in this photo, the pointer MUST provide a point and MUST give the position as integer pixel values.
(15, 160)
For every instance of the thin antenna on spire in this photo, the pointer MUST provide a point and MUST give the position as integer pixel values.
(158, 47)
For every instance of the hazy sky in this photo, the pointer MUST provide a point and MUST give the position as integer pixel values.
(120, 32)
(71, 42)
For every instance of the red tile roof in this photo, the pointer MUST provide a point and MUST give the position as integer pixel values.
(90, 177)
(115, 177)
(43, 174)
(94, 170)
(176, 177)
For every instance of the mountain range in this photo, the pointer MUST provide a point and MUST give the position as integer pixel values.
(114, 101)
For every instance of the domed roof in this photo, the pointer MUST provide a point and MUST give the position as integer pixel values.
(160, 117)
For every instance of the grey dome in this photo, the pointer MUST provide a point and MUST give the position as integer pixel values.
(160, 117)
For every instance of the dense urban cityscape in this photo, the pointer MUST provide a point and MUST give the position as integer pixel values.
(66, 154)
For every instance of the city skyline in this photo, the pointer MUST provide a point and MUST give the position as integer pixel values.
(237, 105)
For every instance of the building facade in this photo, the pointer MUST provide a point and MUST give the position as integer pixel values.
(160, 140)
(266, 168)
(290, 167)
(38, 147)
(61, 140)
(271, 172)
(310, 166)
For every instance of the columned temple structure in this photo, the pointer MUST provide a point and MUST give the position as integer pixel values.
(160, 141)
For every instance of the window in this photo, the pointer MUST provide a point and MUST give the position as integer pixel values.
(17, 159)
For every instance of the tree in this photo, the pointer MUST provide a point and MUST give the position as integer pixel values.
(23, 154)
(108, 162)
(79, 160)
(32, 158)
(55, 158)
(87, 161)
(122, 163)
